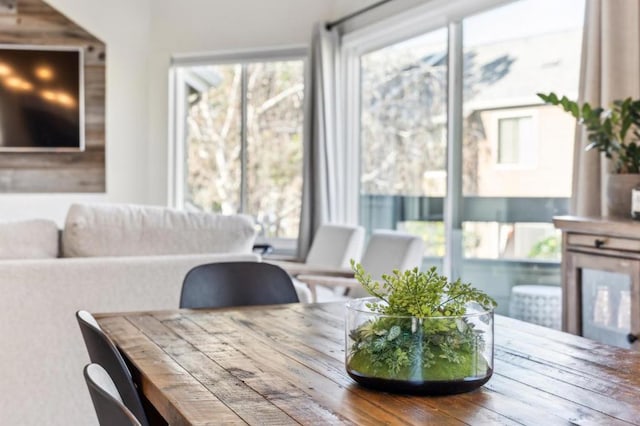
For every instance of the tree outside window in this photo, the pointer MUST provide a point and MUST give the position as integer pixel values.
(243, 142)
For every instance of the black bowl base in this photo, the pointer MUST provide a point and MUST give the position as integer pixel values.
(422, 387)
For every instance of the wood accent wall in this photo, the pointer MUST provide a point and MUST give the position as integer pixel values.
(34, 22)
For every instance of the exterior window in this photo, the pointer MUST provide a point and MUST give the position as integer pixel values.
(242, 143)
(514, 140)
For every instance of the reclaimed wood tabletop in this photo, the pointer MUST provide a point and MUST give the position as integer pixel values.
(285, 365)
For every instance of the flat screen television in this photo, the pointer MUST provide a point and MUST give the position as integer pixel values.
(41, 98)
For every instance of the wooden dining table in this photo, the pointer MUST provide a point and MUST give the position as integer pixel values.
(277, 365)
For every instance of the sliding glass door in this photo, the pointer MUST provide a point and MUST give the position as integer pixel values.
(518, 153)
(515, 169)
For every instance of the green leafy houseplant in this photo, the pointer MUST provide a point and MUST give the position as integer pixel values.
(418, 330)
(614, 131)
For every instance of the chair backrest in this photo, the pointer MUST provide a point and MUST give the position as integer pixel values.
(102, 351)
(106, 400)
(389, 250)
(218, 285)
(336, 245)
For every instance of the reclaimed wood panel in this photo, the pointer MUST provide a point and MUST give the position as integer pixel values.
(83, 171)
(285, 365)
(34, 22)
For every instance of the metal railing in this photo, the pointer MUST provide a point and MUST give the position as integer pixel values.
(386, 211)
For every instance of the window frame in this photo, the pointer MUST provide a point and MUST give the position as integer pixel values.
(178, 84)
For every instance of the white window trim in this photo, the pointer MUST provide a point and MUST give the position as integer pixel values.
(177, 82)
(412, 22)
(240, 56)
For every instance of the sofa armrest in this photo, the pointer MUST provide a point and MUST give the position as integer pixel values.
(295, 269)
(315, 280)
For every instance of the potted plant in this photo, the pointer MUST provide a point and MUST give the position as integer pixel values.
(419, 333)
(616, 133)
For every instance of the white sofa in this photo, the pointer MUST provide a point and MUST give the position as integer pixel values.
(114, 258)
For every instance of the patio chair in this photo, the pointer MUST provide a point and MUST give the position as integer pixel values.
(385, 251)
(330, 253)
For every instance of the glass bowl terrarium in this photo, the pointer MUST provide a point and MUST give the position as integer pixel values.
(419, 333)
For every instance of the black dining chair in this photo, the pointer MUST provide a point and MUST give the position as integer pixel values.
(107, 402)
(218, 285)
(102, 351)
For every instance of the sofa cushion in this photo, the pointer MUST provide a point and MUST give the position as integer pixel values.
(29, 239)
(130, 230)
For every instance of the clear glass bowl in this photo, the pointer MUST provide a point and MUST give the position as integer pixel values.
(436, 356)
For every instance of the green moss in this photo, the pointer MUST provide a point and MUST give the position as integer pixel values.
(470, 365)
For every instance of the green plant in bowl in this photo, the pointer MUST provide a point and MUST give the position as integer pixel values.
(419, 332)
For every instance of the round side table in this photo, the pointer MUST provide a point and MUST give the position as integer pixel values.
(538, 304)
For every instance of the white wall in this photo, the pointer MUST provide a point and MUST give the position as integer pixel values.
(141, 36)
(123, 25)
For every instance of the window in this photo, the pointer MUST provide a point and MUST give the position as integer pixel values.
(449, 116)
(527, 179)
(403, 135)
(240, 131)
(515, 144)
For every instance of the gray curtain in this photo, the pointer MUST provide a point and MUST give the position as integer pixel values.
(610, 70)
(322, 168)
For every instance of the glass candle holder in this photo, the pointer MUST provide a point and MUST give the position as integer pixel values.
(435, 355)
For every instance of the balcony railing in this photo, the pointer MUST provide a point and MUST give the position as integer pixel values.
(497, 275)
(386, 211)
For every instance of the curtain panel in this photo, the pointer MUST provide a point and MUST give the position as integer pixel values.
(323, 171)
(610, 70)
